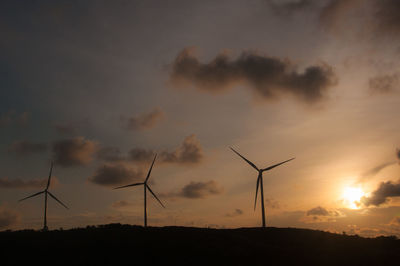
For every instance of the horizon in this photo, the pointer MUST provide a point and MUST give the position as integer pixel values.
(98, 88)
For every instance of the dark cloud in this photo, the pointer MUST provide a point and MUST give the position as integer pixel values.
(189, 152)
(319, 211)
(271, 203)
(380, 196)
(372, 172)
(384, 84)
(269, 77)
(321, 215)
(199, 190)
(26, 147)
(115, 174)
(398, 154)
(143, 121)
(140, 155)
(196, 190)
(8, 218)
(74, 151)
(290, 7)
(21, 184)
(109, 154)
(236, 213)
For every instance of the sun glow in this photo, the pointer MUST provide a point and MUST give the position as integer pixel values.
(352, 196)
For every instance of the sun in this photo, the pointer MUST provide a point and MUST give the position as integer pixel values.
(351, 196)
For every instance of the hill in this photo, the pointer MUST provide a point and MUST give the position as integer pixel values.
(117, 244)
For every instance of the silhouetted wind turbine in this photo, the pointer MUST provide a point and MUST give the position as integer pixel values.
(46, 192)
(146, 186)
(260, 182)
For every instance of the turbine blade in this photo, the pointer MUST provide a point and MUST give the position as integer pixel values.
(258, 184)
(131, 185)
(151, 167)
(54, 197)
(51, 170)
(151, 191)
(252, 164)
(32, 196)
(275, 165)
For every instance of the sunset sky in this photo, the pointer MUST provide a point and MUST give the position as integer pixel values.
(99, 87)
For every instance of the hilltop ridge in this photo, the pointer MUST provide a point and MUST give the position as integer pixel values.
(116, 244)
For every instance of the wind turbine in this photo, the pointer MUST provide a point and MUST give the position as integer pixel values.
(46, 192)
(260, 182)
(146, 186)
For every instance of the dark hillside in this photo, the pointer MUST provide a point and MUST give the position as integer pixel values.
(117, 244)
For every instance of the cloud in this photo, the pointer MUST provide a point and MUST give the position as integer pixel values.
(321, 215)
(74, 151)
(384, 84)
(26, 147)
(8, 218)
(271, 203)
(398, 154)
(195, 190)
(319, 211)
(116, 174)
(268, 77)
(189, 152)
(382, 194)
(200, 190)
(236, 213)
(143, 121)
(372, 172)
(22, 184)
(109, 154)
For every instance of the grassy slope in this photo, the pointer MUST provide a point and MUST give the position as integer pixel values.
(132, 245)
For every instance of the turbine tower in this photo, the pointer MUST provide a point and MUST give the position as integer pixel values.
(260, 182)
(146, 186)
(46, 192)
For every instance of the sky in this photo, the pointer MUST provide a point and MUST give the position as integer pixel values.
(100, 87)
